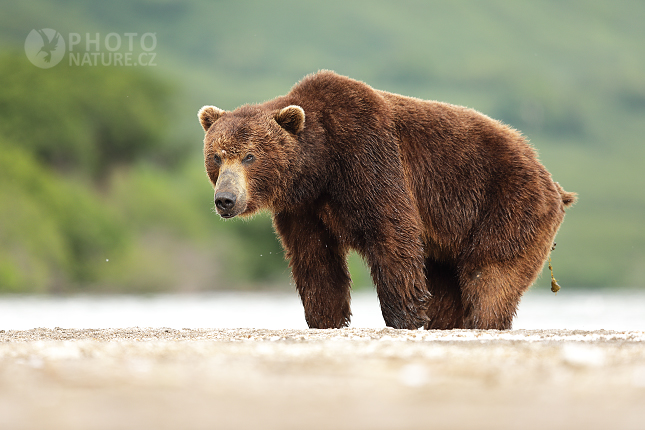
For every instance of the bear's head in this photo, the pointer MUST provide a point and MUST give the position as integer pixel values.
(248, 154)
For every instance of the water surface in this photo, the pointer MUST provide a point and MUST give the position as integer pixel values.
(569, 309)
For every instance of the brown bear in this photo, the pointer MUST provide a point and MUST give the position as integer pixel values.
(451, 210)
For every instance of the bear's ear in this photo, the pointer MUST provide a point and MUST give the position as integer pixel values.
(208, 115)
(291, 118)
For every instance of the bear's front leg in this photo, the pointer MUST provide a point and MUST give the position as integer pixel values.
(394, 253)
(401, 288)
(319, 269)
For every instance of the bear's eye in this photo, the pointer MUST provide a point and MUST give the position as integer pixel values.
(217, 159)
(249, 159)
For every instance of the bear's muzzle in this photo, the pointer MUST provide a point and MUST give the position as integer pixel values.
(230, 193)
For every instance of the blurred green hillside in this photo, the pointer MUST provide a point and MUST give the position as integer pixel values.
(102, 186)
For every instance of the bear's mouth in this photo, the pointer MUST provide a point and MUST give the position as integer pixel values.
(228, 213)
(229, 205)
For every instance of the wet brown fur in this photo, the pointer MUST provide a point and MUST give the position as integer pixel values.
(451, 209)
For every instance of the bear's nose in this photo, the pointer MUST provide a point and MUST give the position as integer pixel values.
(225, 201)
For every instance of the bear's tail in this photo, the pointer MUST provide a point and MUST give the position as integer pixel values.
(568, 199)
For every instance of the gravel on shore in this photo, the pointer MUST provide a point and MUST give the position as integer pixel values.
(319, 379)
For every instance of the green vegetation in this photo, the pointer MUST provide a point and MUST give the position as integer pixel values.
(94, 197)
(101, 180)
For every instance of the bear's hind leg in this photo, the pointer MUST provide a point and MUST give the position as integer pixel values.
(446, 310)
(492, 293)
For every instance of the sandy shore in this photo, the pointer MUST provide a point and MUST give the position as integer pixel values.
(321, 379)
